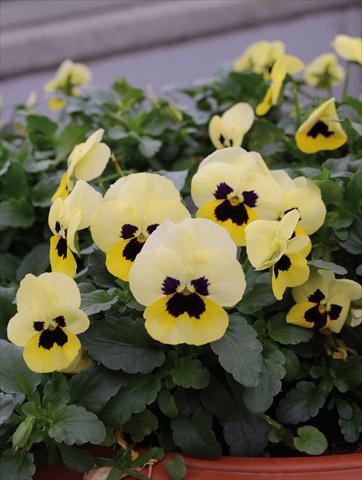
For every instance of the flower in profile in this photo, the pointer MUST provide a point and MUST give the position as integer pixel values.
(321, 130)
(284, 64)
(304, 196)
(184, 276)
(229, 129)
(234, 187)
(349, 48)
(132, 209)
(273, 244)
(86, 162)
(66, 217)
(69, 77)
(259, 57)
(324, 72)
(47, 321)
(323, 302)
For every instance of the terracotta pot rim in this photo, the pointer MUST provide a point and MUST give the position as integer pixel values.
(350, 461)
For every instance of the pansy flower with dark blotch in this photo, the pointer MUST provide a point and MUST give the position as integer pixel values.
(304, 196)
(184, 276)
(132, 209)
(272, 244)
(322, 130)
(228, 130)
(233, 188)
(66, 217)
(323, 302)
(259, 57)
(47, 321)
(324, 72)
(86, 161)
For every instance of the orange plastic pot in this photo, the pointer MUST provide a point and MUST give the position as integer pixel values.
(326, 467)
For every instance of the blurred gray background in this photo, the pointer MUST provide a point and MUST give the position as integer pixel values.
(157, 42)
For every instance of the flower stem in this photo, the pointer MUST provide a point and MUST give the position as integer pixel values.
(116, 165)
(296, 104)
(346, 80)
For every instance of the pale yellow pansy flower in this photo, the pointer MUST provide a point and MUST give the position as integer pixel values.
(284, 64)
(305, 196)
(273, 244)
(47, 321)
(323, 302)
(322, 130)
(184, 276)
(132, 209)
(324, 72)
(349, 48)
(69, 77)
(233, 188)
(66, 217)
(229, 129)
(86, 162)
(259, 57)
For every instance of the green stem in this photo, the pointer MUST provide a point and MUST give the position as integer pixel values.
(116, 165)
(346, 80)
(296, 104)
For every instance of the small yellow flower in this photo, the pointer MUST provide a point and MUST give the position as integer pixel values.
(233, 187)
(322, 130)
(259, 57)
(86, 162)
(184, 276)
(322, 303)
(305, 196)
(349, 48)
(324, 72)
(284, 64)
(47, 321)
(229, 129)
(132, 209)
(66, 217)
(68, 76)
(273, 244)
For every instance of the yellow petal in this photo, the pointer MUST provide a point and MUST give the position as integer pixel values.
(321, 130)
(62, 191)
(56, 213)
(54, 358)
(318, 280)
(296, 315)
(120, 257)
(296, 274)
(349, 48)
(75, 320)
(324, 72)
(56, 104)
(21, 327)
(164, 327)
(263, 246)
(265, 105)
(310, 207)
(61, 258)
(338, 303)
(93, 163)
(85, 199)
(216, 132)
(294, 64)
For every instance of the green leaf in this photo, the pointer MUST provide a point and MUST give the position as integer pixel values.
(239, 352)
(35, 262)
(351, 428)
(98, 301)
(217, 399)
(15, 376)
(347, 374)
(129, 95)
(94, 386)
(14, 184)
(176, 468)
(280, 331)
(310, 440)
(331, 192)
(167, 404)
(43, 191)
(292, 365)
(9, 264)
(245, 433)
(190, 373)
(258, 399)
(7, 307)
(7, 405)
(329, 266)
(141, 391)
(256, 297)
(71, 135)
(300, 404)
(73, 424)
(149, 146)
(140, 425)
(17, 465)
(56, 392)
(76, 458)
(123, 343)
(41, 131)
(16, 213)
(195, 436)
(98, 271)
